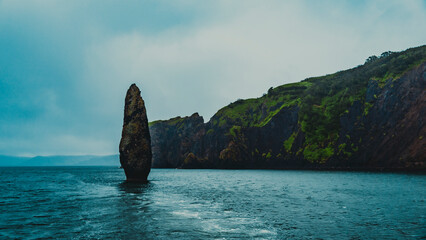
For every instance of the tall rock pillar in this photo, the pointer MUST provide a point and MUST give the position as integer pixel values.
(135, 144)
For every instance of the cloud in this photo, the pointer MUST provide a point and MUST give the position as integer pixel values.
(66, 66)
(240, 55)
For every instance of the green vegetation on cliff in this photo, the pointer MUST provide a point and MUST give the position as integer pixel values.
(257, 112)
(330, 96)
(322, 102)
(300, 123)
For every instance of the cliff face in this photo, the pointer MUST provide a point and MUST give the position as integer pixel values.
(175, 139)
(368, 117)
(391, 133)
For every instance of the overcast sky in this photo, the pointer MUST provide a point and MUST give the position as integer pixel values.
(65, 65)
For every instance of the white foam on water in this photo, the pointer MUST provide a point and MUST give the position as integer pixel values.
(209, 217)
(187, 214)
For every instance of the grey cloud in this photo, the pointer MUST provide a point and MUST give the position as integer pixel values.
(67, 65)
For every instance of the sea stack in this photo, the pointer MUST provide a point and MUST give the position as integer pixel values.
(135, 144)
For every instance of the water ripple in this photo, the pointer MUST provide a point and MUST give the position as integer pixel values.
(95, 203)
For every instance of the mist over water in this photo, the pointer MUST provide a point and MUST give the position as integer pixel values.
(95, 202)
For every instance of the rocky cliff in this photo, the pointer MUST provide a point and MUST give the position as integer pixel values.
(175, 139)
(369, 117)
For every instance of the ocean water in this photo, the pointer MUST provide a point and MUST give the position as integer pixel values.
(96, 203)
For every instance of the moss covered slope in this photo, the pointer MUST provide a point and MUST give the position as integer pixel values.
(316, 121)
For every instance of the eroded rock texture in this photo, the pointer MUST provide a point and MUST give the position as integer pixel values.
(135, 144)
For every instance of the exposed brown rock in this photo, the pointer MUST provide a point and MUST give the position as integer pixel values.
(174, 139)
(135, 144)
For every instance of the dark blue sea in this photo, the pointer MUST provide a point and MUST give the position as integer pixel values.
(96, 203)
